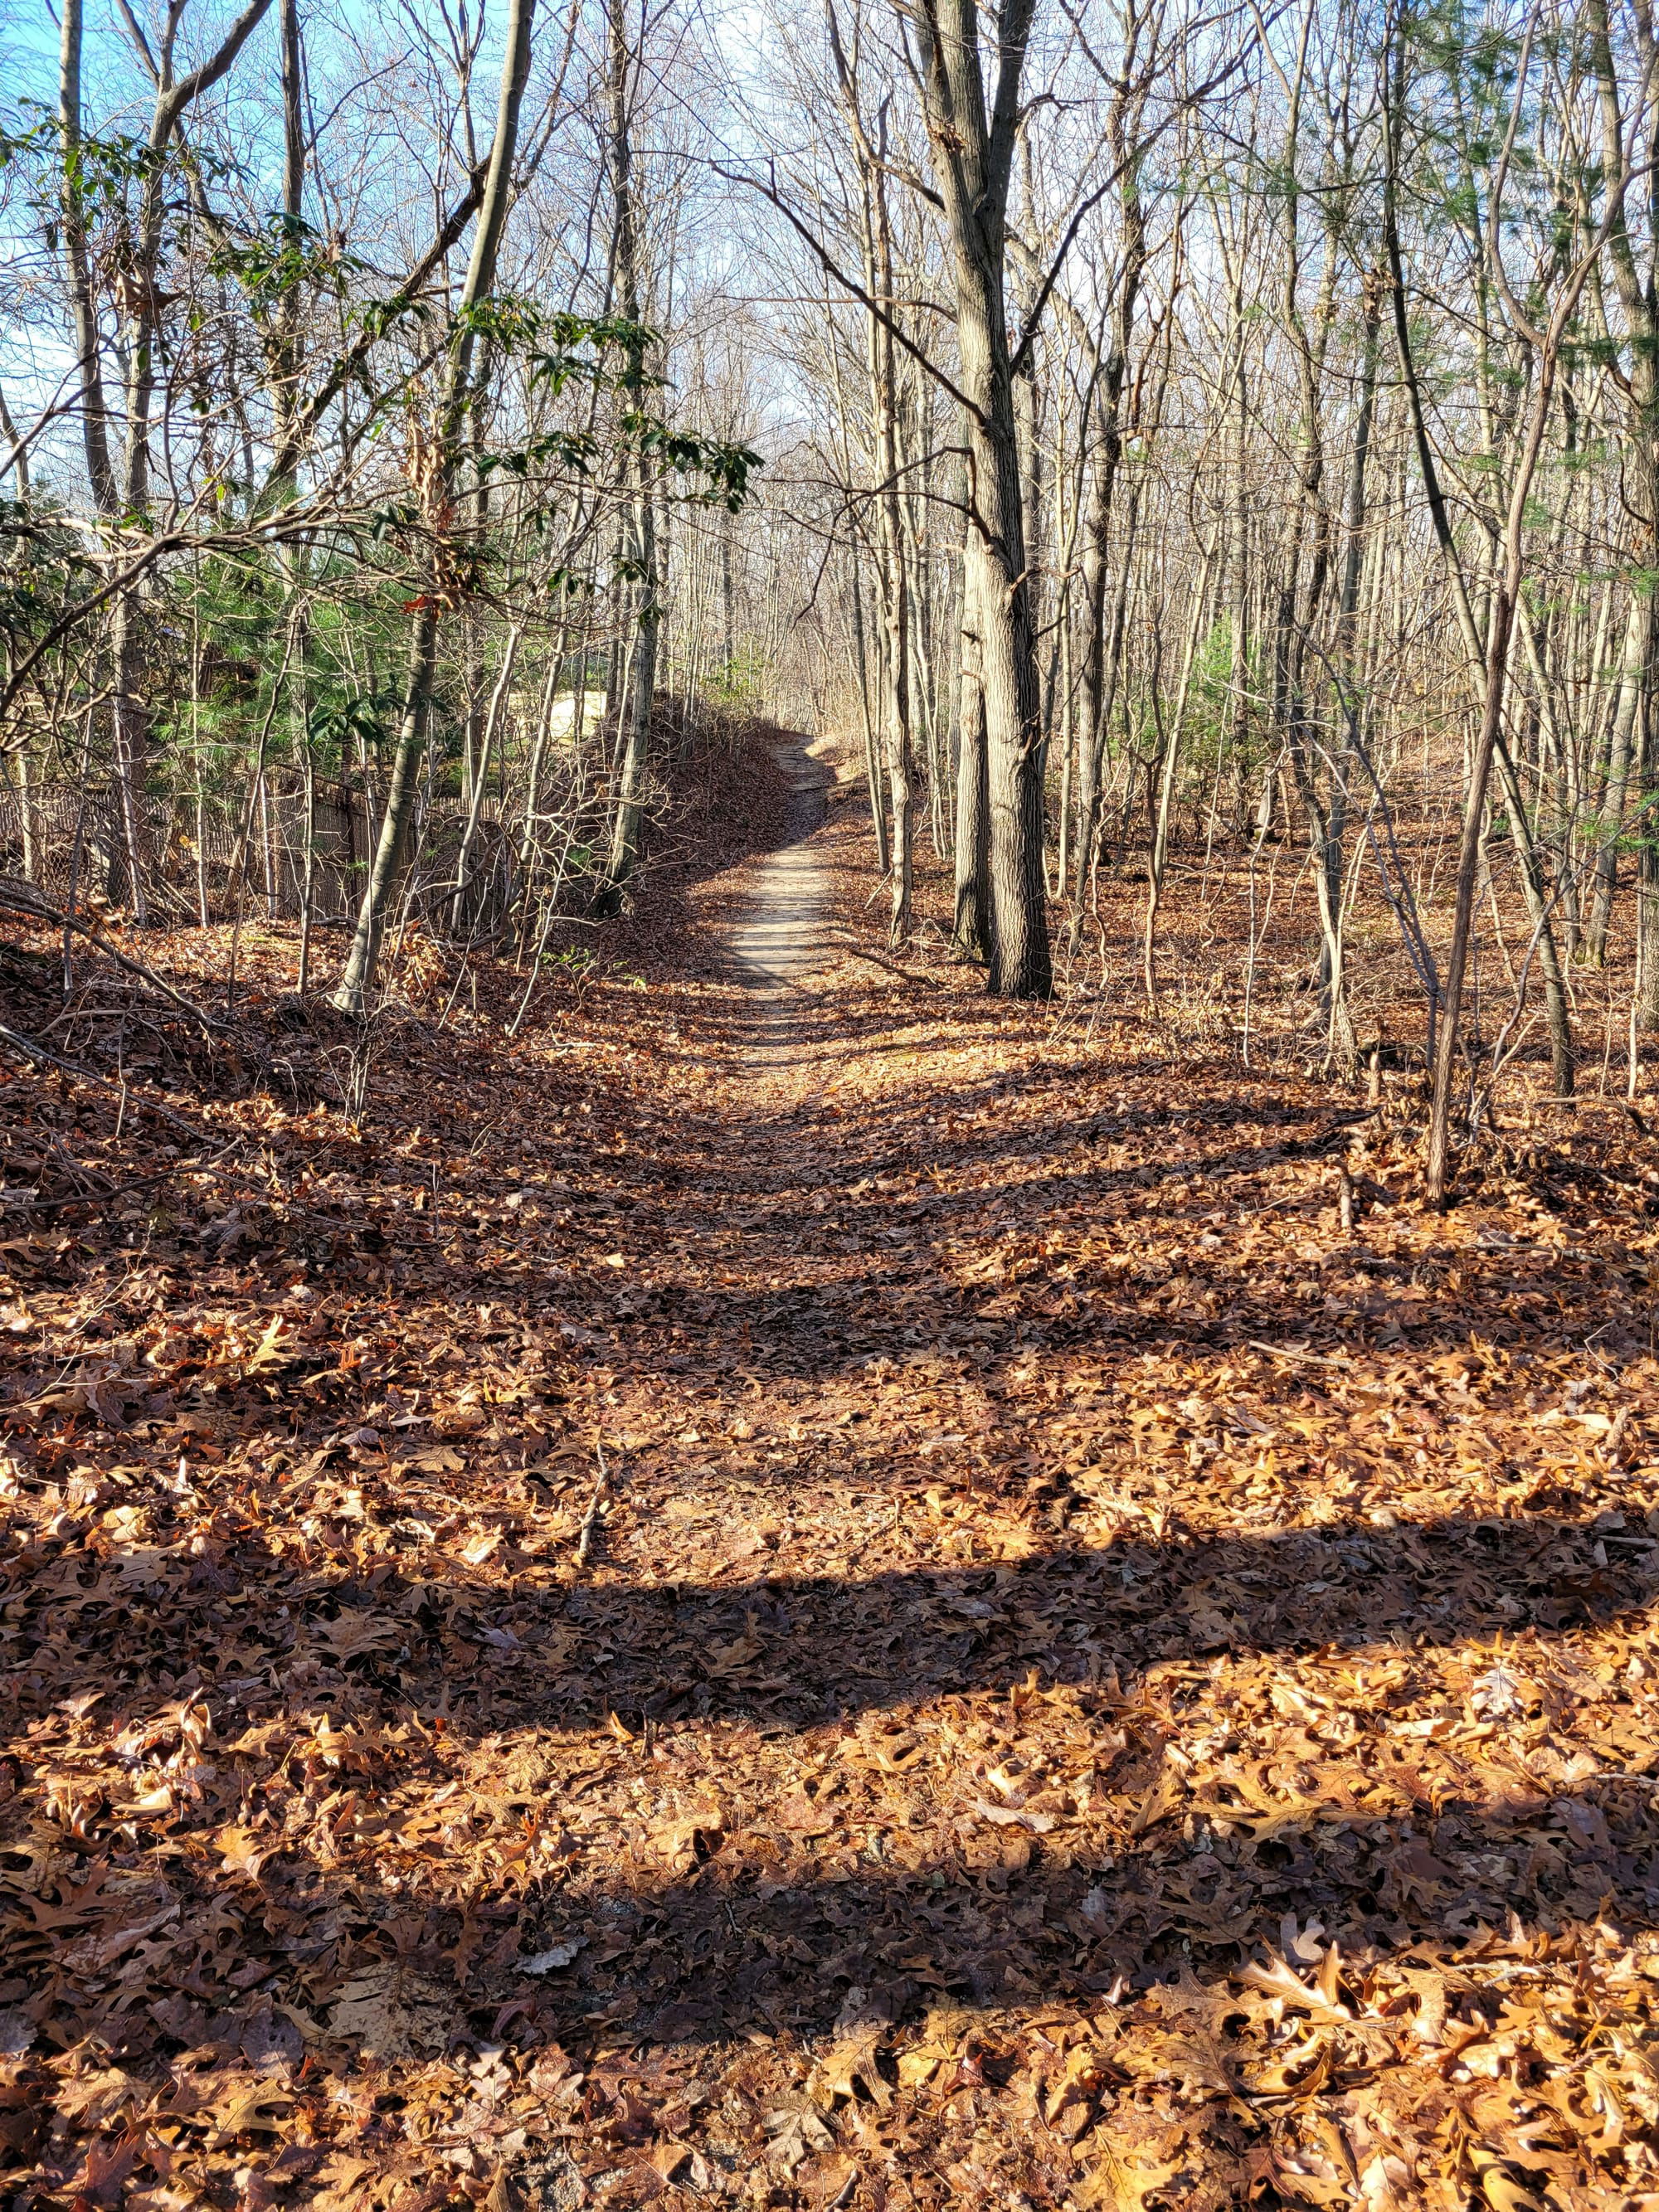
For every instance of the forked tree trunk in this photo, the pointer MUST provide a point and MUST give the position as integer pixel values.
(1622, 753)
(140, 351)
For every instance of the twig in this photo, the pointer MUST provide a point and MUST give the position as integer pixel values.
(1286, 1352)
(33, 1051)
(36, 1205)
(1341, 1126)
(906, 975)
(23, 898)
(591, 1518)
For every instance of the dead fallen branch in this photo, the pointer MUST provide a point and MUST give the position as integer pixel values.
(38, 1053)
(21, 897)
(114, 1192)
(906, 975)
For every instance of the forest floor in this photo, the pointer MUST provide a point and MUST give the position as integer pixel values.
(820, 1593)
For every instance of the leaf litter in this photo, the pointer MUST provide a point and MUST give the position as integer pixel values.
(1089, 1684)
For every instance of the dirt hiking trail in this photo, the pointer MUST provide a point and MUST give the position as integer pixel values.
(783, 937)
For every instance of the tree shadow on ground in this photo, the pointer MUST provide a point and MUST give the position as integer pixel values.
(1025, 1875)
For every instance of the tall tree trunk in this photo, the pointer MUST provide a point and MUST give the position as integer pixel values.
(1445, 1009)
(1506, 591)
(1091, 718)
(285, 368)
(1647, 874)
(972, 152)
(1102, 650)
(973, 927)
(352, 994)
(493, 719)
(872, 764)
(1632, 276)
(638, 688)
(1168, 766)
(728, 632)
(1341, 1044)
(129, 709)
(881, 368)
(94, 413)
(895, 582)
(1622, 753)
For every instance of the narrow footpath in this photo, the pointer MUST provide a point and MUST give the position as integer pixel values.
(783, 937)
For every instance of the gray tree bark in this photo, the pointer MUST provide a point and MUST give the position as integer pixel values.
(972, 145)
(351, 996)
(642, 590)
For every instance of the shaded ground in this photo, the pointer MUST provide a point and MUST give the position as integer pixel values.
(1090, 1683)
